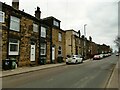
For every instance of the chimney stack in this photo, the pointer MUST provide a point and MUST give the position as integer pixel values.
(90, 38)
(79, 33)
(38, 13)
(15, 4)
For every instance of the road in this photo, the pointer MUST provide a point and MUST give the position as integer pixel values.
(90, 74)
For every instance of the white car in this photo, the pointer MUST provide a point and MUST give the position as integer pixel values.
(117, 54)
(74, 59)
(101, 56)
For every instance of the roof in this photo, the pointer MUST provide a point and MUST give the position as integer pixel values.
(19, 11)
(71, 30)
(51, 17)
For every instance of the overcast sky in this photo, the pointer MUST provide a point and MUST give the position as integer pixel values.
(101, 16)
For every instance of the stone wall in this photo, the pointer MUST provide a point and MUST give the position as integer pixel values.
(26, 37)
(58, 43)
(48, 53)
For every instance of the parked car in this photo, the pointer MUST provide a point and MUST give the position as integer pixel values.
(117, 54)
(96, 57)
(106, 55)
(101, 56)
(74, 59)
(109, 54)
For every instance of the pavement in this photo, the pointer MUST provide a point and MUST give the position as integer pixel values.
(21, 70)
(112, 83)
(114, 80)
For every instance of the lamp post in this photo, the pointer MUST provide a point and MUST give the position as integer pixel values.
(85, 29)
(85, 41)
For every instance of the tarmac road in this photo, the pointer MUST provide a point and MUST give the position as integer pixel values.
(91, 74)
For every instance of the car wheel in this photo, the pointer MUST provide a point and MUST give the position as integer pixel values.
(66, 62)
(76, 62)
(82, 61)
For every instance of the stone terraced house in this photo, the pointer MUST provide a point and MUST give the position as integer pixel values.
(20, 35)
(30, 40)
(56, 44)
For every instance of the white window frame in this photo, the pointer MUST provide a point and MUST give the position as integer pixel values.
(59, 50)
(14, 23)
(56, 23)
(2, 16)
(35, 27)
(59, 36)
(13, 43)
(43, 32)
(43, 48)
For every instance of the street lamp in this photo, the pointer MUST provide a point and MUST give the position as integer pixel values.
(85, 40)
(85, 29)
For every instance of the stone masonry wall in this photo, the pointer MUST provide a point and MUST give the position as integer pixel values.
(25, 36)
(58, 43)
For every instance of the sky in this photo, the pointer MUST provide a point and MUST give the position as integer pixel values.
(101, 16)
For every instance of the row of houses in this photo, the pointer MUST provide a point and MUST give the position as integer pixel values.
(31, 40)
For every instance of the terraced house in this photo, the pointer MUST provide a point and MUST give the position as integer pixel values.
(20, 35)
(56, 44)
(30, 40)
(73, 43)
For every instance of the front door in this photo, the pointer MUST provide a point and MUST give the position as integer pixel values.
(32, 54)
(53, 54)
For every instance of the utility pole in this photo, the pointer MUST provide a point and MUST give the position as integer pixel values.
(85, 41)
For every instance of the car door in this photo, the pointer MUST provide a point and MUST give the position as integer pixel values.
(78, 59)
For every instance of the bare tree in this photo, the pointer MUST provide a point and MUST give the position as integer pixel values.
(117, 41)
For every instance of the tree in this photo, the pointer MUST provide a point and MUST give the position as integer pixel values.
(117, 41)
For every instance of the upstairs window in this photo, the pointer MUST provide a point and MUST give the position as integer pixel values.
(2, 16)
(43, 32)
(60, 37)
(13, 47)
(14, 23)
(56, 23)
(35, 27)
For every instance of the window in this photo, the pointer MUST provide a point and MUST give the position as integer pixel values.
(60, 37)
(59, 51)
(56, 23)
(43, 49)
(14, 23)
(13, 47)
(35, 27)
(2, 16)
(43, 32)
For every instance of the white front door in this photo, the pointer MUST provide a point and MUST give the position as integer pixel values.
(53, 53)
(32, 54)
